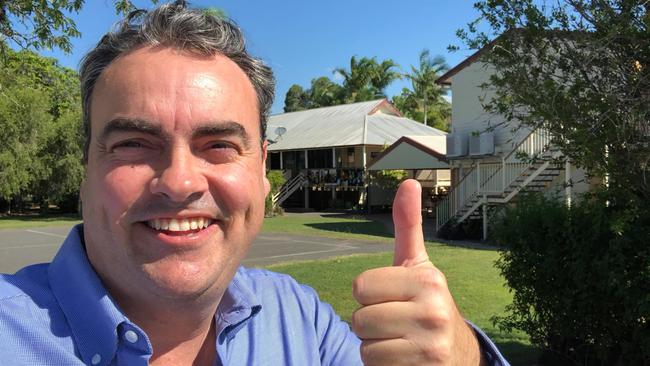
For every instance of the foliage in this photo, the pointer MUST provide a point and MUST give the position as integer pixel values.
(389, 179)
(40, 129)
(365, 80)
(580, 69)
(276, 179)
(581, 279)
(45, 24)
(323, 93)
(24, 117)
(424, 102)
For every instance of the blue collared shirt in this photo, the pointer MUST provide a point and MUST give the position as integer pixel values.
(61, 314)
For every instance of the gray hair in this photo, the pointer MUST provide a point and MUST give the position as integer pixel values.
(175, 25)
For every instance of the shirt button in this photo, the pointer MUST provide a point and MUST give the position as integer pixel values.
(131, 336)
(97, 358)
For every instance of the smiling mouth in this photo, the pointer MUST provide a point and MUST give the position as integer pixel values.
(180, 226)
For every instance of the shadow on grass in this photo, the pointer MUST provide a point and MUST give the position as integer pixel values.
(365, 228)
(518, 353)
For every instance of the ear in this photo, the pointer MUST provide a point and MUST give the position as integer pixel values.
(265, 180)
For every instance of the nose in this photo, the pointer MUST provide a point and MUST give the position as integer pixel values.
(181, 179)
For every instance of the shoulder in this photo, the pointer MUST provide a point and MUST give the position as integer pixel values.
(30, 282)
(266, 282)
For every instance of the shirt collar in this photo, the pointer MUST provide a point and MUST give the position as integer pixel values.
(238, 305)
(94, 317)
(91, 313)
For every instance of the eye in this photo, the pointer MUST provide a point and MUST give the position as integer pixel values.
(220, 151)
(220, 145)
(129, 144)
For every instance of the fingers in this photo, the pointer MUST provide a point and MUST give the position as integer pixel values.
(407, 218)
(387, 352)
(383, 321)
(385, 284)
(403, 352)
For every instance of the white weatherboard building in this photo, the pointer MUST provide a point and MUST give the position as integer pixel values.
(325, 152)
(485, 155)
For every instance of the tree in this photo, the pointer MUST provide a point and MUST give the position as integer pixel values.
(425, 93)
(44, 24)
(40, 126)
(580, 69)
(296, 99)
(366, 79)
(322, 93)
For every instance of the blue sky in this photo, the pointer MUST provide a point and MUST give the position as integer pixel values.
(305, 39)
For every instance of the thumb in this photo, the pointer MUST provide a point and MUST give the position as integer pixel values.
(407, 218)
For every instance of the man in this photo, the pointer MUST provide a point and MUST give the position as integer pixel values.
(174, 113)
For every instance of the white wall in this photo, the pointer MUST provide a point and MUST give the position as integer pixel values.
(467, 113)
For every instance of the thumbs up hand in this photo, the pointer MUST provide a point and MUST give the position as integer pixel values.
(407, 314)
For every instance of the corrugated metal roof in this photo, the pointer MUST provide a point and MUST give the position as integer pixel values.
(342, 126)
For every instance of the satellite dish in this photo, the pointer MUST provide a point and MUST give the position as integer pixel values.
(280, 131)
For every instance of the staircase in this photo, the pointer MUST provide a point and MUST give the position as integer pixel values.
(531, 166)
(288, 188)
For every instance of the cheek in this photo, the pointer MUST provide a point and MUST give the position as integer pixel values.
(120, 188)
(238, 188)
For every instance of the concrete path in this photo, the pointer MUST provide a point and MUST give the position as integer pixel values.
(21, 247)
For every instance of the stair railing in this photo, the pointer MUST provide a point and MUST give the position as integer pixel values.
(288, 188)
(492, 178)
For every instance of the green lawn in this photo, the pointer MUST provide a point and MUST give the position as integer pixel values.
(332, 226)
(23, 221)
(474, 282)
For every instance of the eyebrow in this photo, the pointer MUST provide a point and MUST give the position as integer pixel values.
(222, 128)
(130, 125)
(217, 128)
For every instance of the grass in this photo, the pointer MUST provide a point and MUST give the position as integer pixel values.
(332, 226)
(27, 221)
(474, 282)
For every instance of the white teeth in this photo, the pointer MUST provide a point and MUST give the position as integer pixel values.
(179, 224)
(185, 225)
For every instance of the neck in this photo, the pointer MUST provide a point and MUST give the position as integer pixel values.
(196, 350)
(180, 333)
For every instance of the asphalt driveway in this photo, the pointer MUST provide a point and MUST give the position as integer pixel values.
(21, 247)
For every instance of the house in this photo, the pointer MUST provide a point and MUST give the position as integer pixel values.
(491, 161)
(325, 152)
(423, 158)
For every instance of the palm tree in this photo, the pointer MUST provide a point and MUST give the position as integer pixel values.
(423, 80)
(366, 79)
(324, 92)
(384, 74)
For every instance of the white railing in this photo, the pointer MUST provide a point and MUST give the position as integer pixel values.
(492, 178)
(288, 188)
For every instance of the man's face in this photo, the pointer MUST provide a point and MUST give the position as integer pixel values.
(175, 185)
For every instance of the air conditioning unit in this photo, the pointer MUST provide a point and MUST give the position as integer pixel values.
(482, 144)
(456, 145)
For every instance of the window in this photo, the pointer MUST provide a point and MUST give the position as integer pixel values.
(319, 159)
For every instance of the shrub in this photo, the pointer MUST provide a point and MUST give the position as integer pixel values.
(580, 277)
(276, 178)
